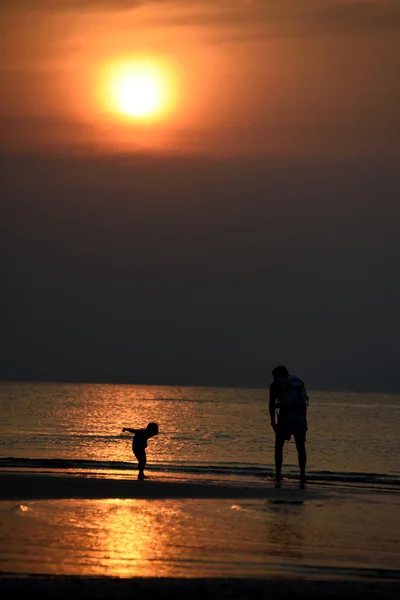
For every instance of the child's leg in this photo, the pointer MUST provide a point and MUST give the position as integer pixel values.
(141, 456)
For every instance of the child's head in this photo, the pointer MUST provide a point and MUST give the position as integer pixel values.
(152, 429)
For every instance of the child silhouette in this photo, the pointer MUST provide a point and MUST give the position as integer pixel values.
(139, 444)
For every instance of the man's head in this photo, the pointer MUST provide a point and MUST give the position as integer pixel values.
(280, 372)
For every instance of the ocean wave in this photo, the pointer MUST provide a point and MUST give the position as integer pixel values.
(238, 471)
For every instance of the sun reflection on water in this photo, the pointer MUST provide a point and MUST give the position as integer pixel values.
(195, 538)
(126, 538)
(134, 535)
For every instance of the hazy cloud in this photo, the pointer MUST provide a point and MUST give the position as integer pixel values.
(59, 5)
(238, 259)
(245, 18)
(291, 17)
(224, 10)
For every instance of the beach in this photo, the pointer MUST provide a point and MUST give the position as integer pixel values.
(332, 578)
(87, 526)
(209, 521)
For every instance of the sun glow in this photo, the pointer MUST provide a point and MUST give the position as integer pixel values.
(138, 94)
(140, 90)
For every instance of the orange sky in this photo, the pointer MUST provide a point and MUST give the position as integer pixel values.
(246, 76)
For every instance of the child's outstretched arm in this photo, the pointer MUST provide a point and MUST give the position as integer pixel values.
(129, 430)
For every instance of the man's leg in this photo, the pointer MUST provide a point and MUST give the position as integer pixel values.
(301, 451)
(279, 443)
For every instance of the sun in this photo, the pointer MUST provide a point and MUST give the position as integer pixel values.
(138, 94)
(139, 90)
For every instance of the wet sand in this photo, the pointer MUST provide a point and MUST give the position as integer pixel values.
(15, 486)
(334, 543)
(212, 589)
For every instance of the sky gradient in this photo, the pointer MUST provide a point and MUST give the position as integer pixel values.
(255, 222)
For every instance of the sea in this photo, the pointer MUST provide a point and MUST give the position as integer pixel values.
(347, 525)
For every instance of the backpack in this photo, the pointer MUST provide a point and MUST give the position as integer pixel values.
(294, 397)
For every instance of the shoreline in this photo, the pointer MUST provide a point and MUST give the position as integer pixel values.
(27, 486)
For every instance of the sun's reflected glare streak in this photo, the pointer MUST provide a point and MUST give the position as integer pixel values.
(132, 535)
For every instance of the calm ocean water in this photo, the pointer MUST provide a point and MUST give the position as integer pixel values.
(345, 525)
(215, 433)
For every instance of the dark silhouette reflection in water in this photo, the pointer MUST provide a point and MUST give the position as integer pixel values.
(286, 527)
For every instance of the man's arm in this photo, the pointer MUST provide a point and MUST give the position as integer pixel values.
(306, 398)
(272, 405)
(129, 430)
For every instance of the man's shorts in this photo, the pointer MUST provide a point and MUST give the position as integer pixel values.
(295, 425)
